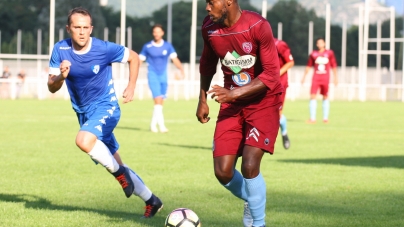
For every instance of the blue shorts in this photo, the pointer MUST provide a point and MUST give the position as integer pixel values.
(101, 122)
(158, 84)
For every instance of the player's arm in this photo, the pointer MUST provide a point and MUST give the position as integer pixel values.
(178, 64)
(57, 76)
(286, 56)
(310, 63)
(207, 69)
(334, 69)
(134, 63)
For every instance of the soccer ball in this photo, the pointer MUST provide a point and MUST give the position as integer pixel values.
(182, 217)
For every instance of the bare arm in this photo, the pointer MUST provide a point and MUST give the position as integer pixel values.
(178, 64)
(334, 70)
(134, 63)
(202, 112)
(286, 67)
(305, 73)
(55, 82)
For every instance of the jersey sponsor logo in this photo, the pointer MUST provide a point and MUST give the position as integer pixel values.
(64, 48)
(164, 52)
(247, 47)
(241, 79)
(236, 62)
(95, 68)
(321, 62)
(254, 134)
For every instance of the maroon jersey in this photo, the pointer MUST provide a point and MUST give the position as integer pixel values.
(322, 62)
(285, 56)
(246, 51)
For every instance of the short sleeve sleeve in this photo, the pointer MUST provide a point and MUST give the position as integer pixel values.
(54, 61)
(117, 53)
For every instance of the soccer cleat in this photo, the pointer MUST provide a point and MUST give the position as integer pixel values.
(154, 129)
(311, 121)
(247, 218)
(286, 141)
(325, 121)
(126, 182)
(163, 130)
(153, 205)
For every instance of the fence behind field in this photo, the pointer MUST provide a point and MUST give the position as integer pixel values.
(380, 85)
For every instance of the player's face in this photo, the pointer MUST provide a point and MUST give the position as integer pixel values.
(158, 34)
(80, 29)
(216, 10)
(320, 44)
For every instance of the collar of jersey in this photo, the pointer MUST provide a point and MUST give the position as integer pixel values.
(86, 50)
(158, 44)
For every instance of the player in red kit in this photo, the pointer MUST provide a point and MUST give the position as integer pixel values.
(248, 120)
(323, 60)
(285, 63)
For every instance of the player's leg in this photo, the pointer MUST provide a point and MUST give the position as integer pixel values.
(94, 128)
(326, 102)
(313, 101)
(163, 94)
(255, 184)
(153, 203)
(154, 86)
(283, 123)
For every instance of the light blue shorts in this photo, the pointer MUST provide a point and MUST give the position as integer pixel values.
(158, 84)
(101, 122)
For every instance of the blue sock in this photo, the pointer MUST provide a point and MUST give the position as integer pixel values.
(237, 186)
(313, 109)
(256, 192)
(326, 109)
(282, 123)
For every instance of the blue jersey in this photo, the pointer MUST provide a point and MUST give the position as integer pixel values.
(90, 78)
(157, 55)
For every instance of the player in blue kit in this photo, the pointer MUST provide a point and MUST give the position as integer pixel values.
(84, 62)
(157, 53)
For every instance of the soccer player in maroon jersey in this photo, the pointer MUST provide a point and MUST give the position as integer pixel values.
(285, 63)
(248, 120)
(323, 60)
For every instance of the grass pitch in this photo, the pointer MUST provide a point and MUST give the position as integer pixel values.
(349, 172)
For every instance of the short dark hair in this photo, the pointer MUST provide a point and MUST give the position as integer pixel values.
(320, 38)
(79, 10)
(158, 26)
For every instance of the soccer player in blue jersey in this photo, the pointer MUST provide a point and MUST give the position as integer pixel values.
(84, 63)
(157, 53)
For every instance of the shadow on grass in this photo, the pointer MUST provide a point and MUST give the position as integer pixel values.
(130, 128)
(36, 202)
(376, 162)
(184, 146)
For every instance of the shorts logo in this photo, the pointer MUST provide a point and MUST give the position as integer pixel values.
(254, 134)
(266, 142)
(247, 47)
(95, 68)
(242, 78)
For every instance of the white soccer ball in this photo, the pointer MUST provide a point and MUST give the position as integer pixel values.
(182, 217)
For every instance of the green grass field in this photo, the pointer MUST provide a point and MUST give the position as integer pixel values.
(349, 172)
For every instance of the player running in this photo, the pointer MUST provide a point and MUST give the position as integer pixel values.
(156, 53)
(248, 119)
(84, 63)
(285, 63)
(323, 60)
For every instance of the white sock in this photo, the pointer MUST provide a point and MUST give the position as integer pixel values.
(141, 189)
(101, 154)
(160, 119)
(156, 112)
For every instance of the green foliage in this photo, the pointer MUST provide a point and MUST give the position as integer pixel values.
(32, 15)
(345, 173)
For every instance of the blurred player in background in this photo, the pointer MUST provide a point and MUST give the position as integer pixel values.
(248, 120)
(323, 61)
(157, 53)
(84, 63)
(285, 63)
